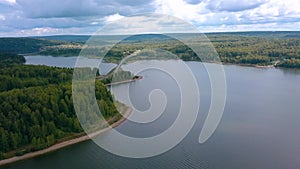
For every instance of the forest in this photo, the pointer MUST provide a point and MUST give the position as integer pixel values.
(256, 50)
(280, 49)
(36, 106)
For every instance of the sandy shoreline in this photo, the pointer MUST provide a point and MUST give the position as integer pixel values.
(65, 143)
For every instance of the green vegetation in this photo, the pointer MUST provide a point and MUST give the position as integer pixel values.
(236, 48)
(25, 45)
(10, 59)
(40, 46)
(36, 106)
(290, 63)
(248, 48)
(257, 49)
(120, 75)
(62, 50)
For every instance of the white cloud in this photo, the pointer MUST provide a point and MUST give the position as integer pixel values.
(112, 18)
(277, 8)
(182, 9)
(234, 5)
(2, 17)
(8, 2)
(94, 23)
(231, 12)
(147, 24)
(252, 27)
(38, 31)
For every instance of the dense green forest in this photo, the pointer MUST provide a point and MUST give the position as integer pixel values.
(10, 59)
(26, 45)
(280, 49)
(36, 106)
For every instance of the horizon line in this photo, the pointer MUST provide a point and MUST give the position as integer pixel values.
(147, 33)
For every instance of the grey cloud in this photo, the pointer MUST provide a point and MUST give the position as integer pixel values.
(7, 8)
(245, 19)
(56, 8)
(16, 21)
(78, 8)
(86, 16)
(193, 1)
(234, 5)
(133, 2)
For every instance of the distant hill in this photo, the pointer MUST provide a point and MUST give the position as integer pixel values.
(24, 45)
(67, 38)
(251, 48)
(264, 34)
(84, 38)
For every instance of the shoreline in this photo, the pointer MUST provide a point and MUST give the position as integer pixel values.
(66, 143)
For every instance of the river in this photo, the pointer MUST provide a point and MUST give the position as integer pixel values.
(259, 128)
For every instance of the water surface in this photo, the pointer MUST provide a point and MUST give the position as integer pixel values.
(259, 128)
(67, 62)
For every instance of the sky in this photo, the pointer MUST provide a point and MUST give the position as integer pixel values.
(57, 17)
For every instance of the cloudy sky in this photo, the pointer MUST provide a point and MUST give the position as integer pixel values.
(52, 17)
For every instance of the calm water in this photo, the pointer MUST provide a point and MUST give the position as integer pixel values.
(259, 128)
(68, 62)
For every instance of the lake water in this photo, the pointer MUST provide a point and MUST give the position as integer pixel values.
(67, 62)
(259, 128)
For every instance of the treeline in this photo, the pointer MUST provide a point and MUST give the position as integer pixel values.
(25, 45)
(36, 108)
(62, 50)
(236, 45)
(290, 63)
(232, 48)
(257, 48)
(21, 76)
(250, 60)
(9, 59)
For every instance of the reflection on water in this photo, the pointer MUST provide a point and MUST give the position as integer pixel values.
(259, 129)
